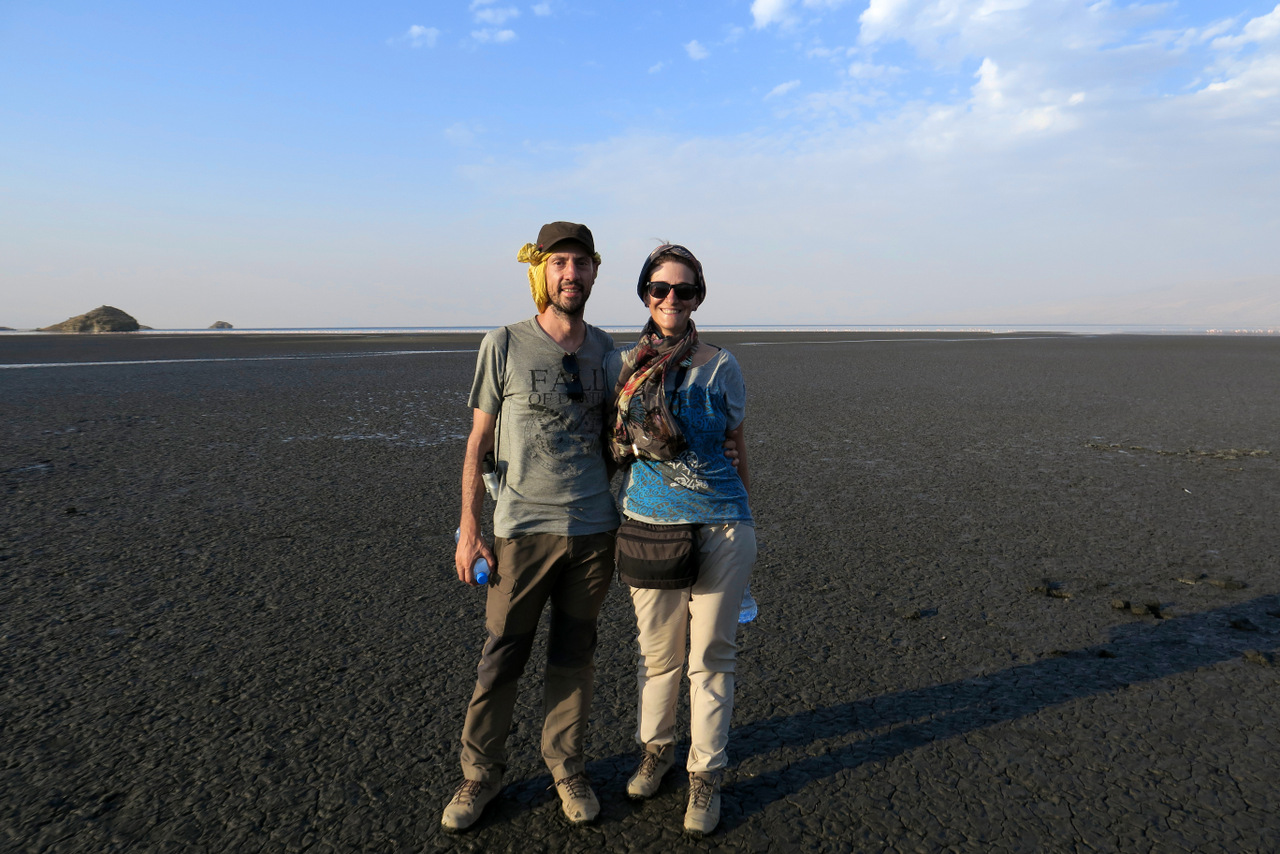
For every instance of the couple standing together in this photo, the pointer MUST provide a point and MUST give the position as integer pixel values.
(559, 408)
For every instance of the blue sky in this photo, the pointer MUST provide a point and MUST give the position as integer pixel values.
(897, 161)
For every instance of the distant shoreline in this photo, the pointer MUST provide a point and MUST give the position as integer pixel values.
(69, 350)
(990, 328)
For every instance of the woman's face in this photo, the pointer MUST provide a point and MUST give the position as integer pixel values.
(671, 314)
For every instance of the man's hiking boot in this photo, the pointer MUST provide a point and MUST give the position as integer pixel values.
(577, 800)
(468, 802)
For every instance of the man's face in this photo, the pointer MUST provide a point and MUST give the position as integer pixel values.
(570, 275)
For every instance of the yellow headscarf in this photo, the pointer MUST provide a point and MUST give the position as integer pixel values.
(537, 261)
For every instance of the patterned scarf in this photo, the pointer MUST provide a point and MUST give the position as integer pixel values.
(643, 427)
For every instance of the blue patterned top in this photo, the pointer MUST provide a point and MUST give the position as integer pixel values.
(700, 485)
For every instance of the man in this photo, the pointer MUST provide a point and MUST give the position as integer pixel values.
(539, 385)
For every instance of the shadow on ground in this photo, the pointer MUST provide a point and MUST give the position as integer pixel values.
(1137, 653)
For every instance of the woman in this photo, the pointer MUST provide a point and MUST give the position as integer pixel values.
(676, 400)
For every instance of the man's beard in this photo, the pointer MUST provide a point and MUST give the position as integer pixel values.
(569, 310)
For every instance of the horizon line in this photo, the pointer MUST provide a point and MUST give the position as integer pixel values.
(994, 328)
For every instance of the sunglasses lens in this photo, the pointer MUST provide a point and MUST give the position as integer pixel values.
(659, 291)
(573, 382)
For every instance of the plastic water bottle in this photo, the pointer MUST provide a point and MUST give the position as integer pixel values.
(480, 569)
(749, 609)
(489, 474)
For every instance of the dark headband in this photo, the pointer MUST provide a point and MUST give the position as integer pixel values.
(681, 254)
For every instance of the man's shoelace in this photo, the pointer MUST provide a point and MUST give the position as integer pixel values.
(468, 792)
(576, 785)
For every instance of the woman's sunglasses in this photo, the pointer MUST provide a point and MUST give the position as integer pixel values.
(659, 291)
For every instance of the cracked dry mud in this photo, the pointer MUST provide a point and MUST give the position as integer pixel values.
(229, 622)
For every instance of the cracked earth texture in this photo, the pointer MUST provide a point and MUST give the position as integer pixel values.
(230, 622)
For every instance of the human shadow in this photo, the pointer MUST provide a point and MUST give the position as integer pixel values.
(1138, 652)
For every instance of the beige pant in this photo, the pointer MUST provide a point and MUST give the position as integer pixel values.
(706, 617)
(572, 574)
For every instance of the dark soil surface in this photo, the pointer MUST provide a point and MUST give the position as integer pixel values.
(1017, 593)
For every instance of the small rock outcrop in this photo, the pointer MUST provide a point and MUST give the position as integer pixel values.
(221, 324)
(104, 318)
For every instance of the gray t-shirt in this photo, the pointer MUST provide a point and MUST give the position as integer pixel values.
(549, 447)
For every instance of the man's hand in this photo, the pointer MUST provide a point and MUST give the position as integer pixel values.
(731, 451)
(464, 558)
(470, 546)
(737, 438)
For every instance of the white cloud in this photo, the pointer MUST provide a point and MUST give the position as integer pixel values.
(1252, 86)
(823, 52)
(491, 36)
(766, 12)
(987, 91)
(1245, 82)
(837, 104)
(696, 50)
(951, 30)
(495, 16)
(1061, 146)
(542, 10)
(418, 36)
(656, 67)
(1035, 63)
(461, 134)
(1194, 36)
(782, 89)
(1035, 70)
(824, 4)
(871, 71)
(1003, 106)
(1007, 196)
(1262, 29)
(887, 18)
(484, 12)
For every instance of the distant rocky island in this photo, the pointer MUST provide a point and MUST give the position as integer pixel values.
(104, 318)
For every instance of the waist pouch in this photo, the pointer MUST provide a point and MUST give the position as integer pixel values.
(663, 557)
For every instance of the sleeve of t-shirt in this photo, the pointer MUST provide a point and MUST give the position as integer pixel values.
(735, 392)
(612, 367)
(491, 363)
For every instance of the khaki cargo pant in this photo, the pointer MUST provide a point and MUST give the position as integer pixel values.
(707, 616)
(573, 574)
